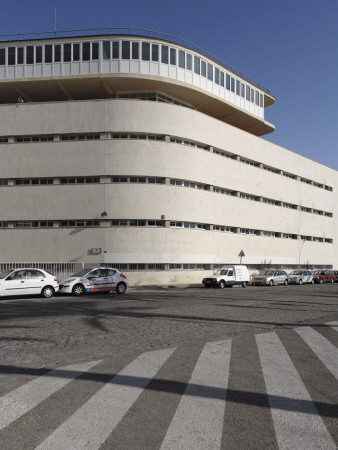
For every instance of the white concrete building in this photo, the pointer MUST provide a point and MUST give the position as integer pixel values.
(144, 152)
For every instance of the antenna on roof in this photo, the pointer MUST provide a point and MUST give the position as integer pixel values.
(55, 21)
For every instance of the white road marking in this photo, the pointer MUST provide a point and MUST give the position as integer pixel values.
(296, 420)
(18, 402)
(91, 424)
(326, 352)
(334, 325)
(198, 421)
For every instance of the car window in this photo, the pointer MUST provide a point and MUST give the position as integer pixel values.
(111, 272)
(34, 274)
(231, 273)
(18, 275)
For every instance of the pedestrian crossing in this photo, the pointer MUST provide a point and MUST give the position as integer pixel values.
(195, 410)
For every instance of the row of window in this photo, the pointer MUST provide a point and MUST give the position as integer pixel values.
(154, 97)
(153, 180)
(128, 50)
(153, 223)
(175, 140)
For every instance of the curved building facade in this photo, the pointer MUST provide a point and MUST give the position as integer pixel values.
(146, 154)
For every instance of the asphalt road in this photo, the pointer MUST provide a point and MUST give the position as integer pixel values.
(171, 368)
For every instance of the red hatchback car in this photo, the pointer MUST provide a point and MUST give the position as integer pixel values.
(324, 276)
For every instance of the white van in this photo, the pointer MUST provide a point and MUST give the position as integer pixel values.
(228, 276)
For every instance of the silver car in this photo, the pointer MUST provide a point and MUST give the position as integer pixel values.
(271, 278)
(301, 276)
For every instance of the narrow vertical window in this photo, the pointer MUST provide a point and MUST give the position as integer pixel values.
(2, 56)
(95, 50)
(29, 54)
(203, 69)
(222, 79)
(57, 53)
(228, 82)
(242, 90)
(173, 56)
(85, 51)
(181, 59)
(247, 92)
(257, 98)
(210, 72)
(116, 53)
(106, 49)
(11, 56)
(197, 65)
(48, 53)
(189, 61)
(145, 51)
(164, 54)
(125, 50)
(38, 54)
(135, 50)
(261, 100)
(216, 75)
(154, 52)
(20, 55)
(252, 95)
(232, 86)
(67, 52)
(238, 87)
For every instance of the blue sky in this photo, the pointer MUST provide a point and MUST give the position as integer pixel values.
(289, 46)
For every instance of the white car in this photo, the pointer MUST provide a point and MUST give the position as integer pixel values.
(100, 279)
(28, 281)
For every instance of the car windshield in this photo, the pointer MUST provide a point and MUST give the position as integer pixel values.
(317, 272)
(221, 272)
(268, 272)
(296, 272)
(6, 273)
(82, 273)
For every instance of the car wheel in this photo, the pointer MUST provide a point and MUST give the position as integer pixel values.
(286, 282)
(121, 288)
(47, 292)
(271, 283)
(312, 281)
(300, 281)
(222, 284)
(244, 284)
(78, 289)
(321, 281)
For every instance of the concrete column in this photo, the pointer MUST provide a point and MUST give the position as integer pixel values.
(57, 137)
(166, 138)
(11, 139)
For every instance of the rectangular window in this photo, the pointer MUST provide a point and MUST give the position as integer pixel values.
(85, 51)
(29, 54)
(76, 52)
(95, 50)
(106, 49)
(125, 50)
(48, 53)
(11, 56)
(222, 79)
(232, 84)
(57, 53)
(20, 55)
(173, 56)
(197, 65)
(116, 52)
(252, 97)
(38, 54)
(242, 90)
(247, 96)
(2, 56)
(203, 69)
(154, 52)
(257, 98)
(67, 52)
(261, 102)
(181, 59)
(189, 61)
(238, 87)
(216, 75)
(210, 72)
(135, 54)
(164, 55)
(228, 82)
(145, 51)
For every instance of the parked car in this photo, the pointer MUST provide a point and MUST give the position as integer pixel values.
(28, 281)
(301, 276)
(228, 276)
(100, 279)
(324, 276)
(272, 277)
(336, 273)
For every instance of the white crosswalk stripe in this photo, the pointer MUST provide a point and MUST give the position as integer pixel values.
(21, 400)
(296, 420)
(90, 426)
(199, 418)
(198, 422)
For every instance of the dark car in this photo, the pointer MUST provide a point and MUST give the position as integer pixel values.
(336, 273)
(324, 276)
